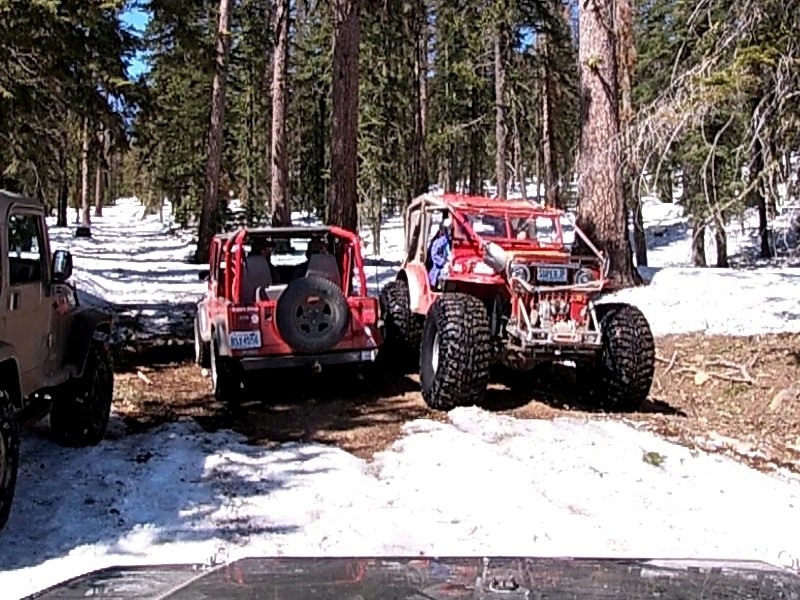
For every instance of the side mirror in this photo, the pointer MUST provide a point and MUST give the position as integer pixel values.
(203, 275)
(62, 266)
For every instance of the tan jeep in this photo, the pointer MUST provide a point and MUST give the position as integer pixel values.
(54, 354)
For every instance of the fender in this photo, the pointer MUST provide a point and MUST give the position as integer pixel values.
(417, 279)
(9, 373)
(7, 352)
(87, 324)
(202, 321)
(220, 335)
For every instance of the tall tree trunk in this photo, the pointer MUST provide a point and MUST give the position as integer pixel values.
(699, 242)
(451, 170)
(63, 191)
(85, 215)
(718, 214)
(280, 161)
(475, 187)
(476, 152)
(377, 221)
(639, 237)
(720, 239)
(248, 193)
(77, 183)
(118, 175)
(98, 188)
(540, 189)
(344, 135)
(770, 196)
(601, 206)
(210, 209)
(758, 196)
(500, 44)
(99, 173)
(421, 175)
(664, 184)
(691, 196)
(631, 167)
(538, 160)
(519, 168)
(548, 156)
(319, 176)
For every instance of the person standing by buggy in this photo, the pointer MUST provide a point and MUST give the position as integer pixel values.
(440, 252)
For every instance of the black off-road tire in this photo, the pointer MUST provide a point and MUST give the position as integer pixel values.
(202, 350)
(402, 328)
(620, 379)
(227, 378)
(81, 407)
(312, 328)
(455, 372)
(9, 455)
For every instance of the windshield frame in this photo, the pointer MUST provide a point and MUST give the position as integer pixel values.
(510, 235)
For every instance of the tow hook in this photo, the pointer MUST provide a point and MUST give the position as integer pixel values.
(501, 584)
(316, 367)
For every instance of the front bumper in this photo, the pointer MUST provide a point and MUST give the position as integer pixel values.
(257, 363)
(549, 338)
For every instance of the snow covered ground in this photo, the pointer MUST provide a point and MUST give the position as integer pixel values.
(481, 483)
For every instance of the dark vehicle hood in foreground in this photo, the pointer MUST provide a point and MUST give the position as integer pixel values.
(436, 579)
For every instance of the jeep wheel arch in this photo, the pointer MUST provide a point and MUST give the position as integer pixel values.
(201, 317)
(202, 348)
(402, 328)
(81, 406)
(86, 326)
(219, 336)
(416, 279)
(9, 375)
(9, 454)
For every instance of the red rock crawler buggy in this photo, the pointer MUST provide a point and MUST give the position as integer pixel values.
(510, 293)
(311, 313)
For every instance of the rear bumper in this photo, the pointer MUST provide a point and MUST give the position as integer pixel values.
(257, 363)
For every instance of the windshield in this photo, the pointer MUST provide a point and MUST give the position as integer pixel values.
(542, 229)
(539, 229)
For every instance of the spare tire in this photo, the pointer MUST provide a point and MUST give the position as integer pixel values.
(312, 314)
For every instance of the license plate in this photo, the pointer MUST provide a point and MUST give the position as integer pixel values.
(244, 340)
(551, 274)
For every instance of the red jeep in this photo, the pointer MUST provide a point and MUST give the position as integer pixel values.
(490, 281)
(283, 297)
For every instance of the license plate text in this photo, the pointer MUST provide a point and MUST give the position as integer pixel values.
(244, 340)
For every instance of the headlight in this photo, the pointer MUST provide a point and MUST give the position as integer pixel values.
(584, 276)
(519, 271)
(482, 268)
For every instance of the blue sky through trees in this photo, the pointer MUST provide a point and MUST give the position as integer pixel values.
(136, 18)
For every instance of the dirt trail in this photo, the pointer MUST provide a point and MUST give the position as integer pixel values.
(733, 395)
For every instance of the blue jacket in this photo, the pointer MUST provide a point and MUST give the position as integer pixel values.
(440, 254)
